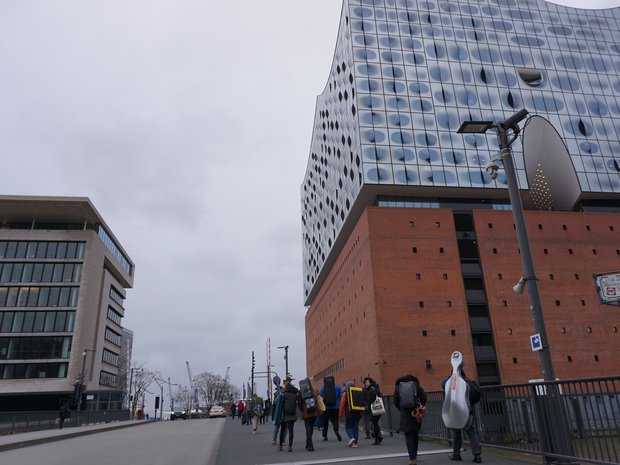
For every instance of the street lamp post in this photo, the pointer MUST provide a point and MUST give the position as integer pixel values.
(285, 360)
(553, 423)
(80, 382)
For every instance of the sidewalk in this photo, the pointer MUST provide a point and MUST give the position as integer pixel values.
(240, 446)
(15, 441)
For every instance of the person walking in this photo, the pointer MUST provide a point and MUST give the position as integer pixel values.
(352, 417)
(256, 410)
(233, 410)
(240, 410)
(291, 402)
(372, 391)
(407, 394)
(332, 405)
(309, 415)
(63, 414)
(470, 429)
(264, 418)
(277, 414)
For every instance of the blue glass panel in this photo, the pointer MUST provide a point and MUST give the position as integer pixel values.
(403, 154)
(440, 73)
(405, 176)
(369, 85)
(560, 30)
(565, 82)
(486, 55)
(455, 158)
(527, 41)
(426, 138)
(368, 69)
(365, 54)
(421, 105)
(429, 155)
(597, 107)
(373, 136)
(419, 88)
(399, 119)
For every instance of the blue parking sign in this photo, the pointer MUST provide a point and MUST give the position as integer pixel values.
(536, 342)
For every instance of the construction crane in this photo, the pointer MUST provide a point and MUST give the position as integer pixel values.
(191, 387)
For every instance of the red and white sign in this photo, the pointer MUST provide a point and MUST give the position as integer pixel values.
(608, 287)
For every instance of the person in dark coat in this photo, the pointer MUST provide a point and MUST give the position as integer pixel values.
(291, 402)
(371, 391)
(331, 413)
(408, 425)
(309, 416)
(63, 414)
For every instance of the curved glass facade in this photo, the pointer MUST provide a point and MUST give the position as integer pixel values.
(407, 73)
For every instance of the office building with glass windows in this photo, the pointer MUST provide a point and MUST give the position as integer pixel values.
(409, 244)
(63, 278)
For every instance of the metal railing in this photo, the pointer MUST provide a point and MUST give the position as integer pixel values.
(23, 422)
(517, 417)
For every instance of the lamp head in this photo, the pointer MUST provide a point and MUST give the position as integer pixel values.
(520, 286)
(493, 169)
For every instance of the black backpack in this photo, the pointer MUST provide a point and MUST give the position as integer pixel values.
(408, 393)
(329, 390)
(474, 392)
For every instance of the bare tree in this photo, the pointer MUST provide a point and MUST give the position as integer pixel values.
(184, 398)
(140, 379)
(212, 388)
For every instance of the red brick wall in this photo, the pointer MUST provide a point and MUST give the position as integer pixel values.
(369, 314)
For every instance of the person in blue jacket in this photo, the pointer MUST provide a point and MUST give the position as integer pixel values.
(331, 412)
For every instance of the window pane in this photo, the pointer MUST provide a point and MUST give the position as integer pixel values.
(57, 275)
(11, 249)
(81, 246)
(11, 300)
(47, 273)
(32, 250)
(60, 321)
(7, 269)
(62, 250)
(18, 321)
(53, 299)
(74, 297)
(71, 249)
(16, 276)
(49, 322)
(3, 294)
(7, 322)
(41, 248)
(39, 319)
(27, 272)
(28, 322)
(37, 272)
(67, 273)
(51, 250)
(22, 299)
(64, 297)
(44, 294)
(3, 249)
(70, 321)
(77, 273)
(21, 250)
(33, 297)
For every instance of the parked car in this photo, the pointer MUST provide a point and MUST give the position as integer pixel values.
(177, 415)
(217, 411)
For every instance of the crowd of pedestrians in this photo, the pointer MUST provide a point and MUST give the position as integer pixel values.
(323, 409)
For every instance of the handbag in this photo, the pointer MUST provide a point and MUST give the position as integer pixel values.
(320, 405)
(377, 407)
(419, 412)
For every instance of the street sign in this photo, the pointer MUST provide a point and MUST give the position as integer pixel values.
(535, 342)
(608, 287)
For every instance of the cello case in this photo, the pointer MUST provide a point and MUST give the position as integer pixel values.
(455, 409)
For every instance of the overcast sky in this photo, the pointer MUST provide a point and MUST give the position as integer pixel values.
(188, 125)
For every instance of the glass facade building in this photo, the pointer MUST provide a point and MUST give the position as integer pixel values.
(63, 277)
(407, 73)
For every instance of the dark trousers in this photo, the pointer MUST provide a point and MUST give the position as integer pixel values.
(330, 416)
(376, 429)
(284, 427)
(411, 439)
(309, 423)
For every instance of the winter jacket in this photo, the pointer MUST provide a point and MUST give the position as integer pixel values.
(291, 403)
(407, 423)
(335, 405)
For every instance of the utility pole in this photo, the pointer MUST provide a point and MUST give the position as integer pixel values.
(285, 360)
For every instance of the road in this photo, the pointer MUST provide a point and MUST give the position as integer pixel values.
(191, 442)
(215, 441)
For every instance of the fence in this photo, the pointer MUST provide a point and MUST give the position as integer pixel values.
(22, 422)
(571, 420)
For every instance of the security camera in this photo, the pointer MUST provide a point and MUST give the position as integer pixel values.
(492, 168)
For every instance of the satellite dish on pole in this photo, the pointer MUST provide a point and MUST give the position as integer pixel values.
(276, 380)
